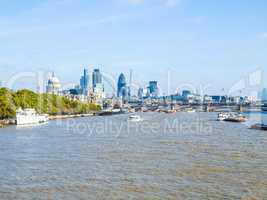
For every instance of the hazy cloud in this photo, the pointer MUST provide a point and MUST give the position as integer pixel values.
(263, 35)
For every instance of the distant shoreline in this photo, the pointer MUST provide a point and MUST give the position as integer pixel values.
(55, 117)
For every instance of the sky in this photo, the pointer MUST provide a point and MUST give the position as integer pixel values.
(203, 44)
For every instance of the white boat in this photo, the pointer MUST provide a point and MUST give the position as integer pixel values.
(29, 116)
(223, 115)
(236, 118)
(231, 117)
(135, 118)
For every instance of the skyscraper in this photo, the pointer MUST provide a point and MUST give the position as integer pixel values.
(99, 92)
(84, 82)
(153, 88)
(264, 95)
(122, 88)
(98, 86)
(140, 93)
(186, 93)
(97, 77)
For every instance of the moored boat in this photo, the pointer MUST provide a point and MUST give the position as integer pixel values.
(191, 111)
(166, 111)
(111, 112)
(29, 116)
(105, 113)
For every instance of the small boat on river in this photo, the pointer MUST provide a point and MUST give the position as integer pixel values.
(236, 119)
(223, 115)
(135, 118)
(264, 108)
(231, 117)
(259, 127)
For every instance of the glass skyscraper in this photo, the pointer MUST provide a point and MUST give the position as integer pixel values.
(264, 94)
(122, 88)
(84, 82)
(97, 78)
(153, 88)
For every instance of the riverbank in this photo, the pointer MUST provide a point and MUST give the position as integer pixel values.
(55, 117)
(8, 122)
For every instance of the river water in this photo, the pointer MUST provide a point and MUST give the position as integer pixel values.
(167, 156)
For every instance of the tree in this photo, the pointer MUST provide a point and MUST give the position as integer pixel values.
(7, 108)
(42, 103)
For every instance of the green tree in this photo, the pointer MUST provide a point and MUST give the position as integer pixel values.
(7, 108)
(42, 103)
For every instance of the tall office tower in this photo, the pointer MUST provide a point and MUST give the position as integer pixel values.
(153, 88)
(122, 88)
(186, 93)
(264, 94)
(99, 92)
(84, 82)
(130, 83)
(140, 93)
(97, 77)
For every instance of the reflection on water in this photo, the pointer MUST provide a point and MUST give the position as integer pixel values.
(184, 156)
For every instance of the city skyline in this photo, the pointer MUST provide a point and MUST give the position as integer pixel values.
(124, 88)
(196, 41)
(240, 87)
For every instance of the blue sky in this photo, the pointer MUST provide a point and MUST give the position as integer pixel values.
(209, 43)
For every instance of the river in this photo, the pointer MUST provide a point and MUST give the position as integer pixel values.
(167, 156)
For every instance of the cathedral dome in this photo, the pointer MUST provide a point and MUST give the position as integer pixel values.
(53, 84)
